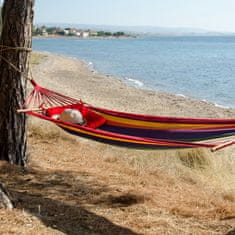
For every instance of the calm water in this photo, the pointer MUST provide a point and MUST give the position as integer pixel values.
(199, 67)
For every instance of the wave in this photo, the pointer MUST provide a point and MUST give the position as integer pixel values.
(136, 82)
(181, 95)
(217, 105)
(221, 106)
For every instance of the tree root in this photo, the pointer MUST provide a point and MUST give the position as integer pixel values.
(5, 201)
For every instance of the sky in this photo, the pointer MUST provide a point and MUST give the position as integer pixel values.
(214, 15)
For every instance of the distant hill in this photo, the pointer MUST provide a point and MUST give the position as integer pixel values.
(152, 30)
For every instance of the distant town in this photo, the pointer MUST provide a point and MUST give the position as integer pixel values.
(74, 32)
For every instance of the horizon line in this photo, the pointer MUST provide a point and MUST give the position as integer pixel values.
(147, 26)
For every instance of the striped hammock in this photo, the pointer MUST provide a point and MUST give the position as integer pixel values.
(132, 130)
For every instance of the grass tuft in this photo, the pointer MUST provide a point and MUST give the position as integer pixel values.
(48, 132)
(195, 158)
(229, 196)
(37, 58)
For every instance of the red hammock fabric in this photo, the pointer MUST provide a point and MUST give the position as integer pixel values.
(93, 120)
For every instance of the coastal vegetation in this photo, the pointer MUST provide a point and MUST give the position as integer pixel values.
(69, 32)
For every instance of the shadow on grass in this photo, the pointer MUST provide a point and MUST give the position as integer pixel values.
(232, 232)
(68, 219)
(64, 200)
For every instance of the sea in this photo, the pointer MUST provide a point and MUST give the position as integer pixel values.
(200, 67)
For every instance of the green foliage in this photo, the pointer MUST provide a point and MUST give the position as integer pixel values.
(60, 33)
(36, 31)
(118, 34)
(100, 33)
(53, 30)
(71, 34)
(109, 34)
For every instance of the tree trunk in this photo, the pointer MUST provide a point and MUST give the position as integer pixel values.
(17, 18)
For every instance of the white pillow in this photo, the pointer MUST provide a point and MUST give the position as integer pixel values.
(72, 115)
(56, 116)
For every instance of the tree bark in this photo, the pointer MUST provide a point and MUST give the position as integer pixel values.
(17, 18)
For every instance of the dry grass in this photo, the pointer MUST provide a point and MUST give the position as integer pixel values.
(37, 58)
(75, 186)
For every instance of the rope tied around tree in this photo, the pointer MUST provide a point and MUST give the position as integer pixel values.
(39, 96)
(7, 48)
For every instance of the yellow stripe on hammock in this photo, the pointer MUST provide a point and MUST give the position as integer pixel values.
(119, 121)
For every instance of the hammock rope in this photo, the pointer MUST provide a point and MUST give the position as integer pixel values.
(7, 48)
(45, 98)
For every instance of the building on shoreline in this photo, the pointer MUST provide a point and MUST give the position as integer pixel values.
(53, 31)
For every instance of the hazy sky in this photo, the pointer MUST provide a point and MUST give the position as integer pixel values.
(216, 15)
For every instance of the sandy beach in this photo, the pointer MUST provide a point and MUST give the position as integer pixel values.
(73, 78)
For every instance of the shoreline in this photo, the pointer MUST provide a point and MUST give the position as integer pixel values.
(75, 77)
(86, 38)
(135, 83)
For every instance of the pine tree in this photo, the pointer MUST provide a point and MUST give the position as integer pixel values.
(16, 39)
(15, 42)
